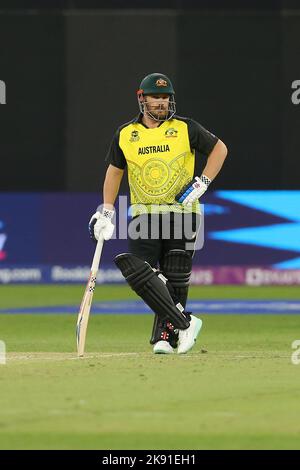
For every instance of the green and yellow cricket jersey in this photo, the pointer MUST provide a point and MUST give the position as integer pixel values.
(160, 161)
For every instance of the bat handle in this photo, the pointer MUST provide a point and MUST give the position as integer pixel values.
(97, 255)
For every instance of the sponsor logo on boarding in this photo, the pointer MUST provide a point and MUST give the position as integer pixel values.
(161, 82)
(134, 136)
(3, 238)
(171, 132)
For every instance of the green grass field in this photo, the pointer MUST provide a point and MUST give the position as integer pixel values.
(243, 393)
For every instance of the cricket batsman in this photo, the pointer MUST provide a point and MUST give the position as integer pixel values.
(158, 149)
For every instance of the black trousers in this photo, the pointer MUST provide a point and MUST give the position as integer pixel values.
(151, 236)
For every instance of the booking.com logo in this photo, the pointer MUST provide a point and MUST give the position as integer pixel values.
(2, 92)
(3, 238)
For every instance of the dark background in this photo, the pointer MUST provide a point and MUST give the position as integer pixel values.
(72, 68)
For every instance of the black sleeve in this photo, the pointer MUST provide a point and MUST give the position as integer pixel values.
(200, 138)
(115, 155)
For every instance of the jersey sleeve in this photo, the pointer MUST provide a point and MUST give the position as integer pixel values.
(115, 155)
(200, 138)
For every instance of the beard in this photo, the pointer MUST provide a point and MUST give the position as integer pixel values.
(158, 113)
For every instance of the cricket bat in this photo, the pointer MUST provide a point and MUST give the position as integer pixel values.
(85, 307)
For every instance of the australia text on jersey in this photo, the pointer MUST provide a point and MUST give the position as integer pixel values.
(153, 149)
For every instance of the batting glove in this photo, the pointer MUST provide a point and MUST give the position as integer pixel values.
(101, 225)
(193, 190)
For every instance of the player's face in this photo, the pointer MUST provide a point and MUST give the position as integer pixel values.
(158, 105)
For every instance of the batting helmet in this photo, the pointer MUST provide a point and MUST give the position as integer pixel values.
(154, 84)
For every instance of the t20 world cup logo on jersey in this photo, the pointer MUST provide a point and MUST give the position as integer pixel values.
(134, 136)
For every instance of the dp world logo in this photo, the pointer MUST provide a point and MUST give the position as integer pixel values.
(3, 238)
(2, 92)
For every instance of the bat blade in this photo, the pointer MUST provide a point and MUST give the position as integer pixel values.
(85, 307)
(84, 314)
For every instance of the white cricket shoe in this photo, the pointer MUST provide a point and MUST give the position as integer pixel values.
(187, 338)
(163, 347)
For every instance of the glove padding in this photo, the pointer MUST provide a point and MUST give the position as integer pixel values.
(193, 190)
(101, 225)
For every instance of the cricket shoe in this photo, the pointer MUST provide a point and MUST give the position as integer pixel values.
(187, 338)
(163, 347)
